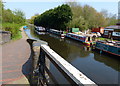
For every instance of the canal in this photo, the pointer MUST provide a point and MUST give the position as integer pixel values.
(100, 68)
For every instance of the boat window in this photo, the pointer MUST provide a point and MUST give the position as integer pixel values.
(88, 38)
(118, 44)
(105, 32)
(116, 30)
(93, 38)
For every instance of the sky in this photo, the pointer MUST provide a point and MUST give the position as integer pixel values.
(32, 7)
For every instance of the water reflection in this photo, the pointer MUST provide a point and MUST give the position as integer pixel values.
(100, 68)
(112, 62)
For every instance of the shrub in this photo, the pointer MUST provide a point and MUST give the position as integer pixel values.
(13, 28)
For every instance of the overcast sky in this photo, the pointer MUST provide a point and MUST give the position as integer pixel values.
(33, 6)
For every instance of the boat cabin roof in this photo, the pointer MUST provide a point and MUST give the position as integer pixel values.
(55, 30)
(112, 43)
(83, 35)
(113, 27)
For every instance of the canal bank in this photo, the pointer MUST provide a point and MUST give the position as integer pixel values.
(15, 54)
(102, 69)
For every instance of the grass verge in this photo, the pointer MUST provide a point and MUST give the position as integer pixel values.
(14, 29)
(103, 39)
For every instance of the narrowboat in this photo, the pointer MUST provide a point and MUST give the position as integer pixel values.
(109, 47)
(40, 29)
(57, 32)
(39, 33)
(86, 39)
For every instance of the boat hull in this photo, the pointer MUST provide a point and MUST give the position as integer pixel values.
(108, 48)
(57, 33)
(85, 43)
(39, 33)
(88, 44)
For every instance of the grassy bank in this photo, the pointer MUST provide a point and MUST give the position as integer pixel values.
(14, 29)
(103, 39)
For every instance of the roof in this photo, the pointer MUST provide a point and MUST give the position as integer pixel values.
(83, 35)
(55, 30)
(118, 23)
(113, 27)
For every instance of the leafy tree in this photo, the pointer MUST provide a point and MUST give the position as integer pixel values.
(56, 18)
(77, 20)
(104, 13)
(16, 16)
(7, 16)
(19, 16)
(78, 23)
(1, 9)
(19, 13)
(31, 21)
(86, 17)
(11, 21)
(110, 19)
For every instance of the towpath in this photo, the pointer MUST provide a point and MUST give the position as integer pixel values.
(15, 61)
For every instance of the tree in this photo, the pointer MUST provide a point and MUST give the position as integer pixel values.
(112, 20)
(86, 17)
(7, 16)
(78, 19)
(104, 13)
(31, 21)
(11, 21)
(78, 23)
(56, 18)
(16, 16)
(1, 10)
(19, 13)
(19, 16)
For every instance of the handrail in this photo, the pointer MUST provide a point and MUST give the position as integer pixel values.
(70, 71)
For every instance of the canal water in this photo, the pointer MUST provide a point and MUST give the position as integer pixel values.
(100, 68)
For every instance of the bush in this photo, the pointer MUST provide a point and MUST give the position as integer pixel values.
(13, 28)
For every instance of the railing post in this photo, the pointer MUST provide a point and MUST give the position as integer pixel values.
(30, 41)
(42, 65)
(42, 61)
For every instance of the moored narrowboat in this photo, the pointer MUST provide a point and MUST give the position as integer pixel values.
(39, 33)
(85, 39)
(57, 32)
(109, 47)
(40, 29)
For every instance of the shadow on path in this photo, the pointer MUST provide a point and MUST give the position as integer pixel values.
(27, 69)
(29, 66)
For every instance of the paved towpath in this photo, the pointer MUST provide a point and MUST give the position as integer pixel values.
(15, 61)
